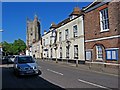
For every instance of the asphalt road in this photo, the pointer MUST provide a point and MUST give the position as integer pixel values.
(71, 77)
(55, 75)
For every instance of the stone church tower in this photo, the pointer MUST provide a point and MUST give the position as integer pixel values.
(33, 31)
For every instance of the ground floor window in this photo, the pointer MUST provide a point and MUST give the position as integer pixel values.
(111, 54)
(51, 52)
(88, 55)
(67, 52)
(75, 51)
(60, 52)
(99, 52)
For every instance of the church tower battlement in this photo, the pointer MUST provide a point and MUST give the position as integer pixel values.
(33, 32)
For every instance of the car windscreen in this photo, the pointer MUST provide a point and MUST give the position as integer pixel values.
(25, 60)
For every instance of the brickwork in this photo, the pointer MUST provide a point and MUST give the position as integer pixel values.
(93, 29)
(92, 22)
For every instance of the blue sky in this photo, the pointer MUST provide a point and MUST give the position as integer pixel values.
(14, 16)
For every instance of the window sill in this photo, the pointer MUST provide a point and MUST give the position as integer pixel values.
(99, 59)
(106, 30)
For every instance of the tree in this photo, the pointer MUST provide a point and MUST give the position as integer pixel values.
(14, 48)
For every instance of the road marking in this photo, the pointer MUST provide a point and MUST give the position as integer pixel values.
(52, 82)
(100, 86)
(55, 72)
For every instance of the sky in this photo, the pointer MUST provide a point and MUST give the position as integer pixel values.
(14, 16)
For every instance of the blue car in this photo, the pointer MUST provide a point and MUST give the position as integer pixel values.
(25, 65)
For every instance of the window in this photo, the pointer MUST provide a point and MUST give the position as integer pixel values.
(66, 34)
(60, 36)
(60, 52)
(99, 52)
(112, 54)
(88, 55)
(75, 31)
(76, 51)
(51, 52)
(44, 42)
(67, 52)
(104, 20)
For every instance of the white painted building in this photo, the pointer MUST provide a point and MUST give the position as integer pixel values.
(66, 39)
(36, 49)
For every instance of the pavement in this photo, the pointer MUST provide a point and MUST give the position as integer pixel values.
(91, 67)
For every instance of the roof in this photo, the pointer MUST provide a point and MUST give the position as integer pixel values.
(93, 4)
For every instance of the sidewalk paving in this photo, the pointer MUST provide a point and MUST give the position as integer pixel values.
(90, 67)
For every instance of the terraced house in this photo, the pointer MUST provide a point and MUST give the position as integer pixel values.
(66, 39)
(102, 27)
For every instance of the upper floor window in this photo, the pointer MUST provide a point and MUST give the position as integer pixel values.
(75, 30)
(44, 42)
(60, 52)
(66, 34)
(99, 52)
(104, 20)
(60, 36)
(76, 51)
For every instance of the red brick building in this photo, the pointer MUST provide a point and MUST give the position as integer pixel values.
(102, 31)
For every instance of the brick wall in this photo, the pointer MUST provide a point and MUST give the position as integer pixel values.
(92, 28)
(92, 22)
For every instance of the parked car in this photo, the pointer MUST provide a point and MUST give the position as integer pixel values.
(6, 60)
(25, 65)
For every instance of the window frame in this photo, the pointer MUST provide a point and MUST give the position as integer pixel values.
(66, 34)
(76, 53)
(60, 36)
(67, 52)
(97, 53)
(75, 31)
(111, 50)
(60, 52)
(104, 20)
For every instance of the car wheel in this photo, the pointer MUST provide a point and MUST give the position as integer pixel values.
(39, 72)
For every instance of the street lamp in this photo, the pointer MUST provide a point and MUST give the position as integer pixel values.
(68, 47)
(55, 47)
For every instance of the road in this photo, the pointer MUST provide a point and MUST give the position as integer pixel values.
(55, 75)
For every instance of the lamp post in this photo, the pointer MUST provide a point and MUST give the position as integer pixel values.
(68, 47)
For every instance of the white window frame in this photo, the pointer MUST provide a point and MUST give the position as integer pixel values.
(75, 52)
(60, 36)
(104, 21)
(66, 34)
(75, 31)
(67, 52)
(60, 52)
(97, 52)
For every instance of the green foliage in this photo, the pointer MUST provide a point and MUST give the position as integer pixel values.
(14, 48)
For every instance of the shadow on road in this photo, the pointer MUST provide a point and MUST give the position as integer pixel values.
(10, 81)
